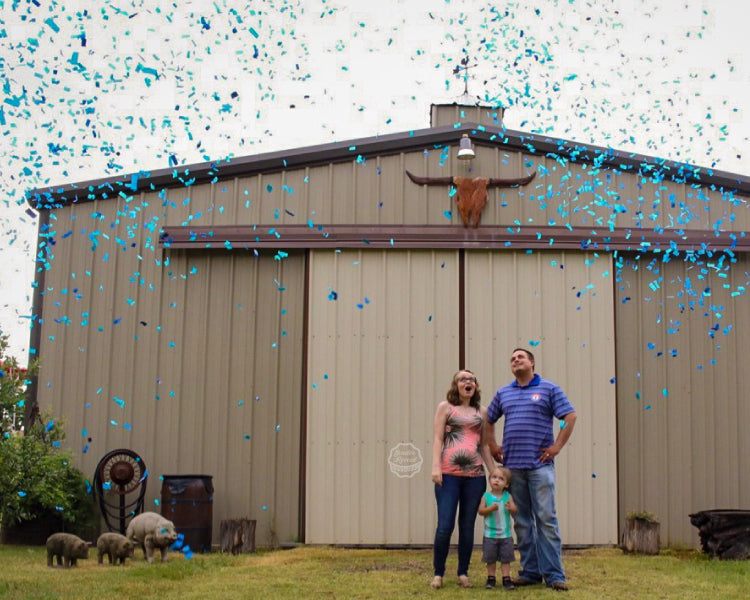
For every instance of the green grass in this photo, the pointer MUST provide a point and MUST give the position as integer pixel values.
(324, 572)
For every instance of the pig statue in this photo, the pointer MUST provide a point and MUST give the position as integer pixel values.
(115, 546)
(150, 530)
(66, 547)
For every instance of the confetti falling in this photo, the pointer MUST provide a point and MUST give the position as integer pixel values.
(92, 92)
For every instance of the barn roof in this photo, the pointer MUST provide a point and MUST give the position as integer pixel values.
(368, 147)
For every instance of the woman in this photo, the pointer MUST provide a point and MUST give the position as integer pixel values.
(458, 450)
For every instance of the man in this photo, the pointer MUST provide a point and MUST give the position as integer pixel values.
(529, 405)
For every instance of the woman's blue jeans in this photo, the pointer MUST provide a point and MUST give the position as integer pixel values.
(537, 532)
(462, 495)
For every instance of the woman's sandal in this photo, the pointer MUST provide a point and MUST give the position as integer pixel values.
(463, 581)
(436, 583)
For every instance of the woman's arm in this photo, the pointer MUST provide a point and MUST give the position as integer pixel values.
(438, 432)
(484, 441)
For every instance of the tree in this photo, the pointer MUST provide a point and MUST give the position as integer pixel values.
(13, 382)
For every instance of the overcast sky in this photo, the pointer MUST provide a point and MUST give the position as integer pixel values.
(92, 89)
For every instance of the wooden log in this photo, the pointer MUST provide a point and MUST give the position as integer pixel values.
(724, 533)
(641, 536)
(237, 535)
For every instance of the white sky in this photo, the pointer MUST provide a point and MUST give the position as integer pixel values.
(661, 78)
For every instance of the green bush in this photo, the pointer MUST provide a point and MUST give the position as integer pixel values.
(37, 476)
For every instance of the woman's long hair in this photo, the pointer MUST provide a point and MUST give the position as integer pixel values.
(453, 397)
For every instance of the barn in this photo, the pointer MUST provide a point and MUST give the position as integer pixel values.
(287, 322)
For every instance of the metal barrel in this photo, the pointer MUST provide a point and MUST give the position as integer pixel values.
(187, 501)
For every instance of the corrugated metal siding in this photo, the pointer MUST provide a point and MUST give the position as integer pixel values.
(380, 358)
(559, 306)
(682, 336)
(449, 114)
(376, 191)
(192, 360)
(563, 301)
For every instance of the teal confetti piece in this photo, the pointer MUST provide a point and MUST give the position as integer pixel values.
(147, 70)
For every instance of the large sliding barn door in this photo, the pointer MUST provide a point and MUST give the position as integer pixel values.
(383, 343)
(560, 306)
(382, 347)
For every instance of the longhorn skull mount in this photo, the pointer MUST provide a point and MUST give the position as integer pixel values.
(471, 192)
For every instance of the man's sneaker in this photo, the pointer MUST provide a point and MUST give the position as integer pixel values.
(560, 586)
(491, 582)
(522, 582)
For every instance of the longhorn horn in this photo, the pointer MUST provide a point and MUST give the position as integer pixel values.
(430, 180)
(510, 182)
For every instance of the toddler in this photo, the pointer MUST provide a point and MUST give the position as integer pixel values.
(496, 507)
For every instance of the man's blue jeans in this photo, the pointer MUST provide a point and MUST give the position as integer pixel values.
(461, 494)
(537, 532)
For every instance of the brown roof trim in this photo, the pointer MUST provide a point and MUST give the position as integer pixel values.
(213, 172)
(284, 237)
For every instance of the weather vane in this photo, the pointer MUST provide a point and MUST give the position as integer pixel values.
(464, 66)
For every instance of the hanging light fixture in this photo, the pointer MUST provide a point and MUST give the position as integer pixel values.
(465, 151)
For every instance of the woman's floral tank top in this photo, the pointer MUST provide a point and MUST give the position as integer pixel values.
(461, 445)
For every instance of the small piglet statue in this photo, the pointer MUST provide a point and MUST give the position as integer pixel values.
(67, 548)
(115, 546)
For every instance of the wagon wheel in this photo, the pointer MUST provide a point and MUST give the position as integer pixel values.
(123, 469)
(123, 475)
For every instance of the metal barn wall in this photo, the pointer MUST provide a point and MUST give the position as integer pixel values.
(376, 191)
(682, 340)
(191, 359)
(559, 306)
(125, 321)
(382, 352)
